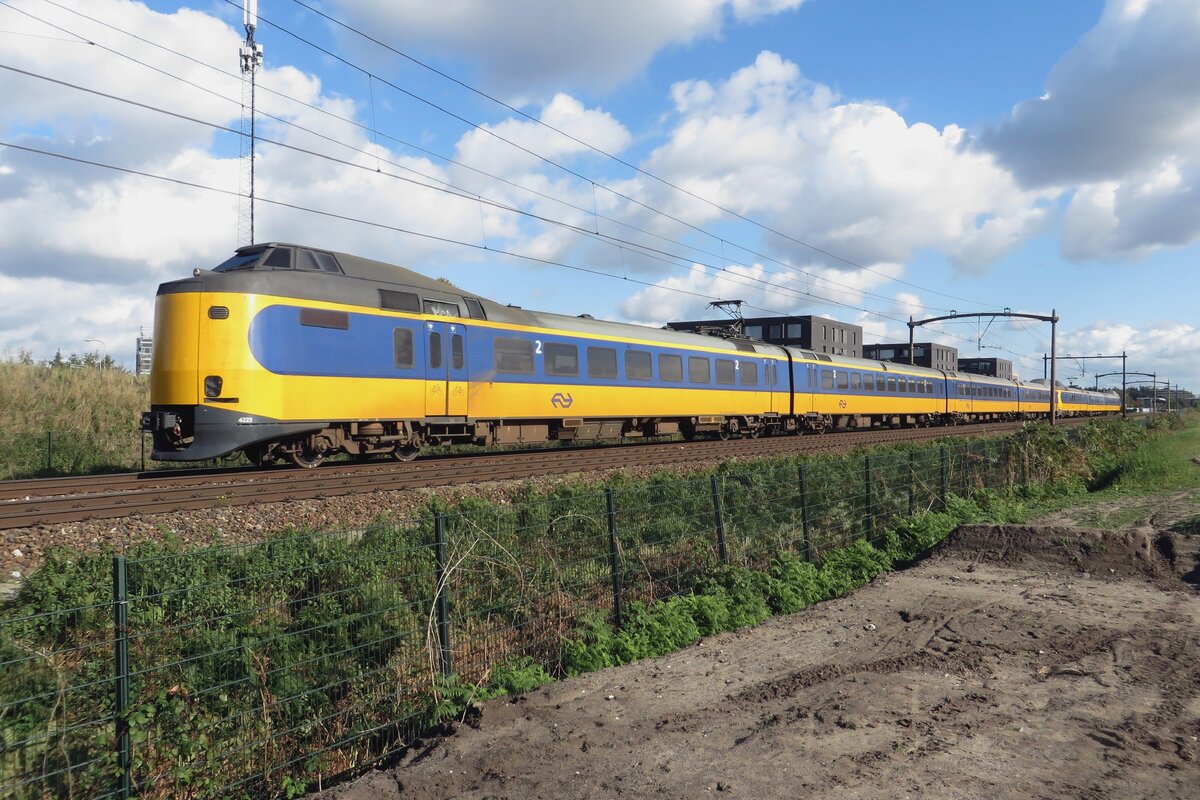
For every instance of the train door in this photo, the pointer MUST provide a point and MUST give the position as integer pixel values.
(445, 369)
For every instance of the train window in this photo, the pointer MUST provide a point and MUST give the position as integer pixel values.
(903, 387)
(698, 369)
(868, 383)
(474, 308)
(726, 372)
(827, 378)
(240, 261)
(843, 379)
(456, 351)
(891, 384)
(442, 309)
(513, 356)
(316, 262)
(637, 365)
(602, 362)
(398, 301)
(280, 258)
(856, 381)
(402, 347)
(324, 318)
(561, 359)
(670, 368)
(912, 386)
(749, 373)
(435, 350)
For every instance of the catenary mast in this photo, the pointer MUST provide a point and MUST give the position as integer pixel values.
(251, 61)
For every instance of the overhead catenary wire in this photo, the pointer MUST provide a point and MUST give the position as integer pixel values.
(853, 291)
(488, 131)
(732, 277)
(769, 287)
(600, 151)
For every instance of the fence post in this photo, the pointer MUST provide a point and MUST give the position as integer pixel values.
(441, 602)
(720, 518)
(611, 507)
(804, 515)
(1023, 455)
(912, 479)
(122, 743)
(944, 476)
(1007, 447)
(869, 521)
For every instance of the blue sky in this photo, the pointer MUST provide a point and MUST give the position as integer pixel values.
(966, 156)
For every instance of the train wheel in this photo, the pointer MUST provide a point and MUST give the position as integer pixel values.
(405, 453)
(306, 458)
(260, 455)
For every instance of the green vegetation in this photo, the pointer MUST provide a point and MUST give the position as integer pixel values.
(74, 416)
(255, 668)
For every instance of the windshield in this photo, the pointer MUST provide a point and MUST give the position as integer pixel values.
(239, 261)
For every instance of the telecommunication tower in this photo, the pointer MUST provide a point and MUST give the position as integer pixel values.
(251, 60)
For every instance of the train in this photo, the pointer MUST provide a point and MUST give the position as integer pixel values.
(291, 352)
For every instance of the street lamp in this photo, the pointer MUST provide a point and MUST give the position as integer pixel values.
(102, 344)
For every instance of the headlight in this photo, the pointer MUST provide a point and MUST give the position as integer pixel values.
(212, 386)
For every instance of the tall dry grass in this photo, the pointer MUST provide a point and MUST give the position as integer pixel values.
(86, 416)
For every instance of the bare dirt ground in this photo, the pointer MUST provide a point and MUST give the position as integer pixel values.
(1015, 662)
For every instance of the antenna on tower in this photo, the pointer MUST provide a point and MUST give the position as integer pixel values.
(251, 60)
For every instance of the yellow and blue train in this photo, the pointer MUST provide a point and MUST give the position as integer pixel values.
(292, 352)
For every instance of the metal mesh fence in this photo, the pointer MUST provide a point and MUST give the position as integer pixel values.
(259, 670)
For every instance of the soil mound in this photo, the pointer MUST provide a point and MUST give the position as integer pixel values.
(1130, 553)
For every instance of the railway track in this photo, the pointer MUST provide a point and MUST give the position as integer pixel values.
(29, 503)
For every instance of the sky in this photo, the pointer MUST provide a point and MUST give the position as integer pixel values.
(860, 159)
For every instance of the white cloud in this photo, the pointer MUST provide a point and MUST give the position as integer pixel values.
(1120, 120)
(853, 178)
(528, 47)
(1164, 347)
(791, 291)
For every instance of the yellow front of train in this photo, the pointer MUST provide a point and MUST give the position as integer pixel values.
(209, 396)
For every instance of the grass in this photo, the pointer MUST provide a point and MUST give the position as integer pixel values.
(88, 414)
(1129, 487)
(319, 651)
